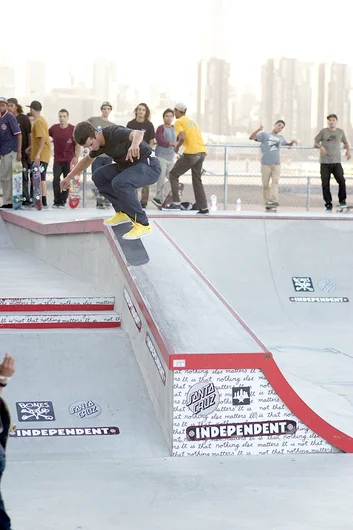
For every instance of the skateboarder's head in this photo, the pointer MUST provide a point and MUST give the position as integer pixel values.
(14, 106)
(63, 116)
(86, 135)
(332, 121)
(279, 126)
(142, 112)
(180, 110)
(3, 105)
(168, 116)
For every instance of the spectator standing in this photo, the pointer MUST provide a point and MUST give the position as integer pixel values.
(166, 141)
(142, 122)
(26, 131)
(65, 151)
(10, 149)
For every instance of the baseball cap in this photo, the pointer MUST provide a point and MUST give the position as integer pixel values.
(35, 105)
(13, 100)
(180, 106)
(106, 104)
(3, 100)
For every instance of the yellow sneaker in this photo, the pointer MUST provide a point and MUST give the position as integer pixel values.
(138, 231)
(118, 219)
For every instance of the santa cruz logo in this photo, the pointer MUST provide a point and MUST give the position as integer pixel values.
(203, 398)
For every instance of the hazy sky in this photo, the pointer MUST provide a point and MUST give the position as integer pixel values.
(160, 41)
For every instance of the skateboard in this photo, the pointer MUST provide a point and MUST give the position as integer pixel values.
(344, 209)
(75, 190)
(37, 188)
(17, 189)
(134, 250)
(272, 209)
(168, 200)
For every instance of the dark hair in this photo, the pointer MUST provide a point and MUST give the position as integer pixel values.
(19, 109)
(280, 121)
(148, 112)
(64, 110)
(83, 131)
(332, 116)
(167, 112)
(29, 115)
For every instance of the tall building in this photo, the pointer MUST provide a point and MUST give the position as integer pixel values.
(104, 79)
(286, 94)
(213, 93)
(339, 91)
(35, 78)
(7, 81)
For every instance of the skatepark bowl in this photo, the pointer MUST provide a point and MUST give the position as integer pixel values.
(210, 387)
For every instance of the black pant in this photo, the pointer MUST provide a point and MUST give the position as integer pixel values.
(181, 166)
(337, 171)
(25, 176)
(60, 168)
(5, 523)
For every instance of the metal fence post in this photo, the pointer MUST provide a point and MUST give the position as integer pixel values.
(308, 191)
(225, 169)
(84, 185)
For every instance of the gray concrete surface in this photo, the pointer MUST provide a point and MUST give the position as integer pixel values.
(5, 240)
(306, 492)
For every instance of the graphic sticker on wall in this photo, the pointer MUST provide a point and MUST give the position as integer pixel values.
(242, 430)
(85, 409)
(303, 284)
(241, 395)
(203, 398)
(326, 285)
(35, 411)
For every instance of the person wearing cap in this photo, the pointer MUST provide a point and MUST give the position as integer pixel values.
(188, 134)
(10, 147)
(40, 147)
(26, 131)
(142, 122)
(135, 166)
(100, 122)
(7, 369)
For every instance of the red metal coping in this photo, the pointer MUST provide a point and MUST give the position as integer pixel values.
(262, 361)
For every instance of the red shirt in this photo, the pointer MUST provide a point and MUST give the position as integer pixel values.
(64, 144)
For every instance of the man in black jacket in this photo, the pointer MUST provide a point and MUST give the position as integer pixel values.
(7, 369)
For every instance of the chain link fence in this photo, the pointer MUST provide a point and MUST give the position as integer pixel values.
(233, 172)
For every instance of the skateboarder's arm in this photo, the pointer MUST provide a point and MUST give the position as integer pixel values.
(181, 139)
(77, 152)
(40, 148)
(7, 369)
(81, 166)
(255, 133)
(293, 142)
(19, 147)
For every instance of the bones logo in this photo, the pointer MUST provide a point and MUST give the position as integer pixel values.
(35, 411)
(203, 398)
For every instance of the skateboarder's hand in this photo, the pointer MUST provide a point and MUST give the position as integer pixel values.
(348, 155)
(36, 162)
(19, 156)
(323, 151)
(260, 128)
(173, 144)
(28, 150)
(7, 367)
(133, 152)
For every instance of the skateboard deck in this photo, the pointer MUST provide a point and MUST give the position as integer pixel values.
(134, 250)
(169, 198)
(17, 189)
(75, 190)
(37, 188)
(344, 209)
(271, 209)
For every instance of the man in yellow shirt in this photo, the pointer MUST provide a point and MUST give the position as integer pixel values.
(40, 148)
(188, 134)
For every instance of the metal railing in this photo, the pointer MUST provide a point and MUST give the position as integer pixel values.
(233, 171)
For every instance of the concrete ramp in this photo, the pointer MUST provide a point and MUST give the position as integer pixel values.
(79, 394)
(290, 280)
(5, 241)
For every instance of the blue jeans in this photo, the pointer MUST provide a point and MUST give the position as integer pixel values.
(5, 523)
(119, 187)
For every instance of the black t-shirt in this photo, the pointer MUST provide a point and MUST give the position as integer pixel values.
(25, 126)
(117, 144)
(145, 126)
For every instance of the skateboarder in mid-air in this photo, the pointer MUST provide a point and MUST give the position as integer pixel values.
(135, 166)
